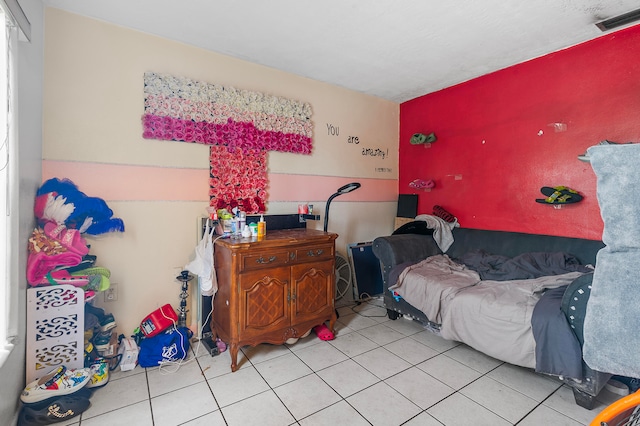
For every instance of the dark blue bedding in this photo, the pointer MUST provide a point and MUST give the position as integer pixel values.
(558, 351)
(521, 267)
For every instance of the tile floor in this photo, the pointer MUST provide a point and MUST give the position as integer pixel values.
(376, 372)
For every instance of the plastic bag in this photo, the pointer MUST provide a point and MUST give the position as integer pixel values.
(202, 264)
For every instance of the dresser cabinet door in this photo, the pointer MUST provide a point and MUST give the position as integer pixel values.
(312, 288)
(264, 301)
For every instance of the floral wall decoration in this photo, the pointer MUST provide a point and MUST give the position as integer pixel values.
(240, 126)
(238, 179)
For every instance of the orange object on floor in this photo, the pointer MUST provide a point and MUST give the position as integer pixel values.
(625, 411)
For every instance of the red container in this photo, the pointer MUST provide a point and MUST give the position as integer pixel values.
(158, 321)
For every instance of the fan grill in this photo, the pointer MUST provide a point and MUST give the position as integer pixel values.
(343, 276)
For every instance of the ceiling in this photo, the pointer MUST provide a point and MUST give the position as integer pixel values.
(393, 49)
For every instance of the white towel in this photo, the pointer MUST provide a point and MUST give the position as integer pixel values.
(442, 234)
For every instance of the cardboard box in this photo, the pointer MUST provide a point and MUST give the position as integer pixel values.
(129, 351)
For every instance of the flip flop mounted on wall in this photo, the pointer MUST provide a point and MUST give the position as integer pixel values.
(559, 195)
(422, 139)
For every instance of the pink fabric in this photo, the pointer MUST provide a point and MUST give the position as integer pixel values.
(39, 264)
(323, 332)
(69, 238)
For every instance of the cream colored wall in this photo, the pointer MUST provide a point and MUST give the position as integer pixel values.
(93, 103)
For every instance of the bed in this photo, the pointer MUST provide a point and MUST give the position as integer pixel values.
(533, 319)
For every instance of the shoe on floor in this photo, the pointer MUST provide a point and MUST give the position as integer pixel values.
(91, 322)
(56, 410)
(101, 340)
(90, 354)
(58, 382)
(323, 332)
(88, 337)
(90, 309)
(99, 374)
(108, 322)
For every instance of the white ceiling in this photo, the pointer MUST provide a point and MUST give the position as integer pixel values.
(393, 49)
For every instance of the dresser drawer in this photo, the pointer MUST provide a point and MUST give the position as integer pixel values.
(267, 259)
(315, 253)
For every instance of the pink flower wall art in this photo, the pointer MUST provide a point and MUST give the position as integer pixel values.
(240, 125)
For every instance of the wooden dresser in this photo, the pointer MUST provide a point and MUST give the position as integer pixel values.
(274, 289)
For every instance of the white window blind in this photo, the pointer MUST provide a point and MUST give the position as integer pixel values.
(8, 34)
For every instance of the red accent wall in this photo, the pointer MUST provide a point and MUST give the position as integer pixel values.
(497, 145)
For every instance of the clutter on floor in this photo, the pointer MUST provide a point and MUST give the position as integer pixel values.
(161, 337)
(59, 259)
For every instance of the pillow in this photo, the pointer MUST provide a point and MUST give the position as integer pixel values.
(574, 304)
(415, 227)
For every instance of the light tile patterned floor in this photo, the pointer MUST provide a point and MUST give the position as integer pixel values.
(376, 372)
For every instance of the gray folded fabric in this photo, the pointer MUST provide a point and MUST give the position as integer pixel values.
(612, 324)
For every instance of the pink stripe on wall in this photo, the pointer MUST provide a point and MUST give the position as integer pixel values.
(113, 182)
(286, 187)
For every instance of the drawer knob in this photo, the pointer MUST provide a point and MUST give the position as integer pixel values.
(318, 252)
(262, 260)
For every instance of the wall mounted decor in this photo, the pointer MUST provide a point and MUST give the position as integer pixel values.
(422, 139)
(240, 126)
(238, 179)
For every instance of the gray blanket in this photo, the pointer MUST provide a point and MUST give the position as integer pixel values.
(612, 323)
(527, 265)
(493, 317)
(430, 284)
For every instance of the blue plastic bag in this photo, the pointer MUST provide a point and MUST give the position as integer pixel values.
(170, 345)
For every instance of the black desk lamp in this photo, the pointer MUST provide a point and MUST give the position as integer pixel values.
(342, 190)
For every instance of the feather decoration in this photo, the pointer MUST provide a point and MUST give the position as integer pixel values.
(87, 213)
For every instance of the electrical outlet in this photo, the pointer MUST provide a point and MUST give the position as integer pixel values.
(111, 294)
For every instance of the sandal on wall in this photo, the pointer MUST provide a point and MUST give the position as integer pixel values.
(559, 195)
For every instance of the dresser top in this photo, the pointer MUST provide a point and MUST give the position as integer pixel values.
(279, 238)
